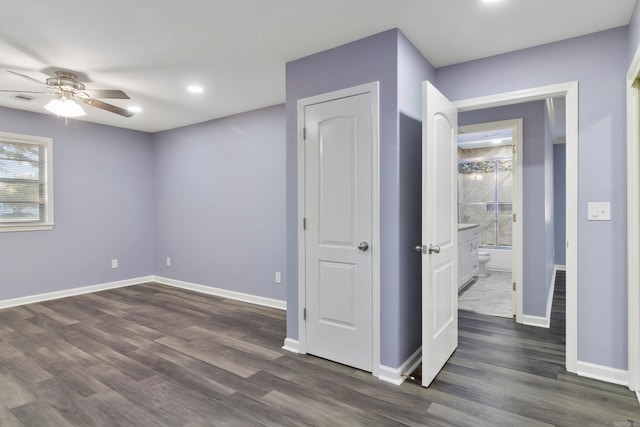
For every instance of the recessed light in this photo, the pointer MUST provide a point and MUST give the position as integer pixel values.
(134, 109)
(195, 89)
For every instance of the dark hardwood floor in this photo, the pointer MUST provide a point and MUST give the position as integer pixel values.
(151, 355)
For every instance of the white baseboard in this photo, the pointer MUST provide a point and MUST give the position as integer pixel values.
(603, 373)
(539, 321)
(559, 267)
(73, 292)
(394, 375)
(224, 293)
(291, 345)
(638, 395)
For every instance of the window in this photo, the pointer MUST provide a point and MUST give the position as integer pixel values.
(26, 183)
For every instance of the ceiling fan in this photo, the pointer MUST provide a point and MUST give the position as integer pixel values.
(68, 90)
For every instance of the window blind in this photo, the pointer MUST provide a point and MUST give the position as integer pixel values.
(23, 183)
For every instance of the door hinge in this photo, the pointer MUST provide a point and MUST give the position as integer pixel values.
(304, 134)
(514, 286)
(304, 223)
(514, 217)
(514, 149)
(304, 314)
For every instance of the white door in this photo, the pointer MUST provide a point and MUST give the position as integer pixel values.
(338, 183)
(439, 232)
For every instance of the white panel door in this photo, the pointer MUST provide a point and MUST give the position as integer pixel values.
(338, 183)
(439, 232)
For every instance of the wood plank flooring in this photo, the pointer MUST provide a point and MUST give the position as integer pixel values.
(152, 355)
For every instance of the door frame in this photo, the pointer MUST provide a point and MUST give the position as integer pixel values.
(373, 89)
(633, 220)
(570, 91)
(517, 244)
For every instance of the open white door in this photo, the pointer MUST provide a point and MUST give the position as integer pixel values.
(439, 232)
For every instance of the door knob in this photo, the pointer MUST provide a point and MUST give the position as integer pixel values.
(363, 246)
(434, 249)
(418, 248)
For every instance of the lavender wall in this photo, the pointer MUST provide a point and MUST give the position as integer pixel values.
(535, 281)
(390, 59)
(220, 203)
(103, 201)
(634, 33)
(559, 203)
(599, 62)
(363, 61)
(549, 209)
(413, 69)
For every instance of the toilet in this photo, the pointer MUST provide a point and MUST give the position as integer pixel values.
(483, 258)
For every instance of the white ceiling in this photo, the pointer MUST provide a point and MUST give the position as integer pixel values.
(237, 49)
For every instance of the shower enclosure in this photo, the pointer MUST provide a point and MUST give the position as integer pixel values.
(484, 198)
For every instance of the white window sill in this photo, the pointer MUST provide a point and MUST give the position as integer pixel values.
(39, 227)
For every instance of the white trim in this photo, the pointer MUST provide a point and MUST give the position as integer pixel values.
(570, 92)
(47, 143)
(638, 395)
(544, 322)
(517, 203)
(223, 293)
(395, 375)
(372, 88)
(602, 373)
(291, 345)
(14, 302)
(633, 220)
(537, 321)
(559, 267)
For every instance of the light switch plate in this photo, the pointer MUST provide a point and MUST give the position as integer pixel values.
(599, 211)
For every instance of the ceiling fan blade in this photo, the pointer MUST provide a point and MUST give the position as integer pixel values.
(28, 78)
(106, 93)
(25, 91)
(107, 107)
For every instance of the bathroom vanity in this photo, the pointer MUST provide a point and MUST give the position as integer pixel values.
(468, 244)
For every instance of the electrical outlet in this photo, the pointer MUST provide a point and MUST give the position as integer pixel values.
(278, 277)
(114, 263)
(168, 261)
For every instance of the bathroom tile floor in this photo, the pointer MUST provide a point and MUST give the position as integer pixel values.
(490, 295)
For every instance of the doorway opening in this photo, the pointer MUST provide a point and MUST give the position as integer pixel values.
(569, 91)
(488, 198)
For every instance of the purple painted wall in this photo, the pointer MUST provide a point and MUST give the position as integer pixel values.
(599, 62)
(549, 209)
(220, 203)
(413, 69)
(536, 277)
(559, 203)
(383, 57)
(634, 32)
(363, 61)
(103, 201)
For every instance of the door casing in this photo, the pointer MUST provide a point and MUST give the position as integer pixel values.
(570, 91)
(633, 220)
(373, 89)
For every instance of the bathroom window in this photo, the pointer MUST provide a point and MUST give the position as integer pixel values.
(485, 198)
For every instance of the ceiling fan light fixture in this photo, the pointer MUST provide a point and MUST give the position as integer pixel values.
(195, 89)
(64, 108)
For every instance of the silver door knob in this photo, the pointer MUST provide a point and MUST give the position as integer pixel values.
(363, 246)
(418, 248)
(434, 249)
